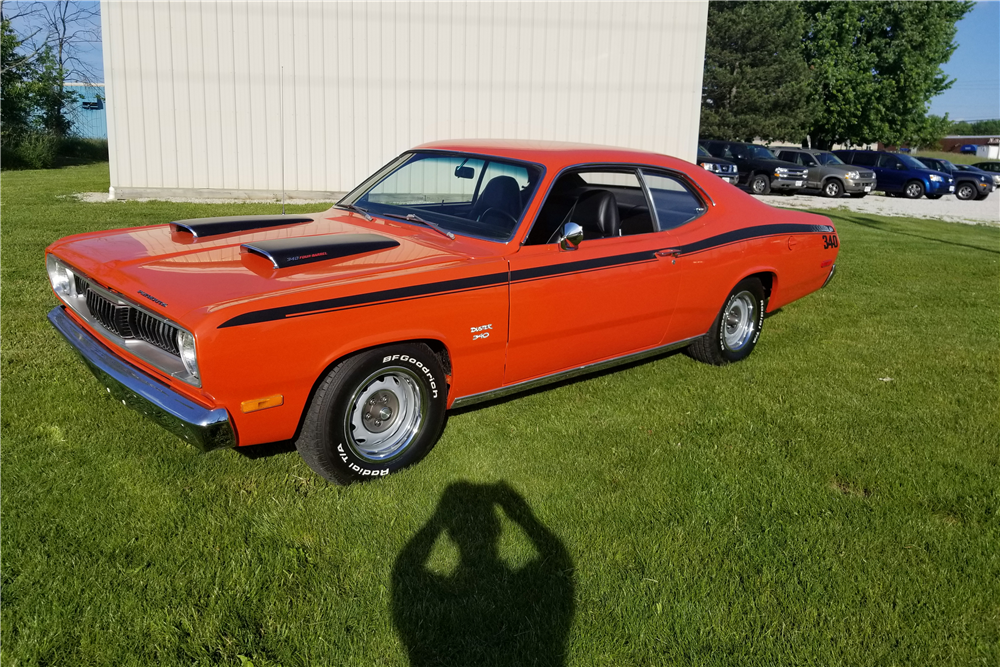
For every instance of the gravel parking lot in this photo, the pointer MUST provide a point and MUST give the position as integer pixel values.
(948, 208)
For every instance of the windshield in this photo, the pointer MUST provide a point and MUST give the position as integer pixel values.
(829, 158)
(702, 152)
(761, 153)
(470, 195)
(911, 162)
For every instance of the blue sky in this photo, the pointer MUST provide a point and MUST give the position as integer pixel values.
(975, 66)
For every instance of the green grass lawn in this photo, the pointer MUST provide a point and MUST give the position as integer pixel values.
(833, 500)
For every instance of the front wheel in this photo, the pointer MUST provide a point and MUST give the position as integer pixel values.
(833, 188)
(736, 329)
(966, 191)
(760, 184)
(374, 413)
(914, 190)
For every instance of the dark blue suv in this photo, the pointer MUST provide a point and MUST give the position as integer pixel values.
(900, 174)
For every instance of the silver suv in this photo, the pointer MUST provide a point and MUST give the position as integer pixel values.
(828, 173)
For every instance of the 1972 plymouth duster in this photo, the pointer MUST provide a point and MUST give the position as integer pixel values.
(460, 272)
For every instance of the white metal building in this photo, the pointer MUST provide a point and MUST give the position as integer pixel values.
(244, 99)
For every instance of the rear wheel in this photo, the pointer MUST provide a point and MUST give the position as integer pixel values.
(966, 191)
(833, 188)
(760, 184)
(374, 413)
(736, 329)
(914, 190)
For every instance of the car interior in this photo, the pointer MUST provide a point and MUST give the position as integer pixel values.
(609, 203)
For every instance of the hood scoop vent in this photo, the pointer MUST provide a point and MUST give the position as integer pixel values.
(202, 227)
(283, 253)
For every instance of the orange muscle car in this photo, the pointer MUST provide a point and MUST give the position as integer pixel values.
(460, 272)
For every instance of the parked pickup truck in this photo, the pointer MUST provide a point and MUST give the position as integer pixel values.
(759, 169)
(828, 173)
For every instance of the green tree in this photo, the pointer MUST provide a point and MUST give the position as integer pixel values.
(17, 74)
(877, 66)
(932, 131)
(975, 128)
(756, 82)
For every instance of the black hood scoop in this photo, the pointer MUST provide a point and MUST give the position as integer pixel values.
(202, 227)
(283, 253)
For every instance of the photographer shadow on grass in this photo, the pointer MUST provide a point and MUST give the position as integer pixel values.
(483, 610)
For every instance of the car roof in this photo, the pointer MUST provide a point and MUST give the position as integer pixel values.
(811, 151)
(555, 154)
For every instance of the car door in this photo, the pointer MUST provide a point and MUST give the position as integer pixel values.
(611, 296)
(891, 173)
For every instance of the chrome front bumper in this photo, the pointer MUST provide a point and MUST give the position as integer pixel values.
(205, 429)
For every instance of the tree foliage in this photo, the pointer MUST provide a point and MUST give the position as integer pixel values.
(32, 102)
(756, 81)
(976, 128)
(877, 65)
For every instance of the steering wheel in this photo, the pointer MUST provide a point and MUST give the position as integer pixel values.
(497, 212)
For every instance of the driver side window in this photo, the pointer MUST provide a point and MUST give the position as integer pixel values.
(606, 203)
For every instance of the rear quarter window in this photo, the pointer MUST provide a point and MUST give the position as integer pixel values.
(673, 201)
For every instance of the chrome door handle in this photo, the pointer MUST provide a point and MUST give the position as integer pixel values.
(668, 252)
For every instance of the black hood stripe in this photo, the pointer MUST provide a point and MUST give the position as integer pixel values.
(521, 275)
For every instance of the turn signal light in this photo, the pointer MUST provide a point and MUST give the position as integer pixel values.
(255, 404)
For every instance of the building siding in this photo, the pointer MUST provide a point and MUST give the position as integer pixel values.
(208, 98)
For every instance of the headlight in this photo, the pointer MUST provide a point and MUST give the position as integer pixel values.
(853, 175)
(61, 277)
(936, 178)
(189, 357)
(780, 171)
(710, 166)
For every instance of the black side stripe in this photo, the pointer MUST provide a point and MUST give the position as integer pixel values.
(316, 307)
(752, 233)
(536, 273)
(582, 265)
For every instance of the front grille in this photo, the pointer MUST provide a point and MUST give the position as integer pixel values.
(128, 322)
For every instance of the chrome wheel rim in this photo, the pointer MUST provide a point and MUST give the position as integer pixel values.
(965, 192)
(738, 320)
(913, 191)
(385, 414)
(832, 189)
(758, 185)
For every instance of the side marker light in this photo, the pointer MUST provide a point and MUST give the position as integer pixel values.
(255, 404)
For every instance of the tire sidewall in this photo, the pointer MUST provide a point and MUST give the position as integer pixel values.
(833, 184)
(753, 286)
(759, 178)
(335, 449)
(966, 187)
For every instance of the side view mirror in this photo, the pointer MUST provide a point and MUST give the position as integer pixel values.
(570, 236)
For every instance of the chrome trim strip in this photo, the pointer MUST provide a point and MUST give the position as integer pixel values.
(205, 429)
(833, 270)
(181, 227)
(253, 250)
(528, 385)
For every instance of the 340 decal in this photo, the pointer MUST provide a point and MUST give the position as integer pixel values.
(830, 241)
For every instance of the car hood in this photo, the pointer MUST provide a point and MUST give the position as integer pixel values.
(174, 273)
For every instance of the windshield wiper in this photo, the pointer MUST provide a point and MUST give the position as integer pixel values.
(357, 209)
(433, 225)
